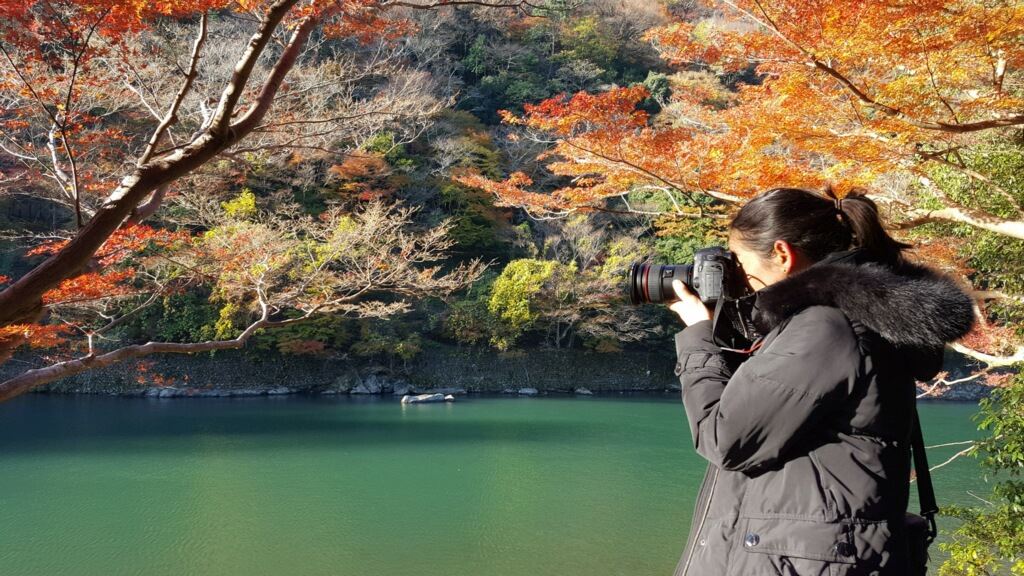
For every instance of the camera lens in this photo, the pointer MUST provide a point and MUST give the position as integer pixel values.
(652, 283)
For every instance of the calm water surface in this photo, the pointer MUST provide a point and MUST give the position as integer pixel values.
(311, 486)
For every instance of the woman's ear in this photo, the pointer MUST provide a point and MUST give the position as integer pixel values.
(785, 257)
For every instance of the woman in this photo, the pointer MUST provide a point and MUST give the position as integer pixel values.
(808, 438)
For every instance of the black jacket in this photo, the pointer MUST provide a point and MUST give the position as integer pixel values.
(807, 440)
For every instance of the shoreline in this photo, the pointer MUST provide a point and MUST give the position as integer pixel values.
(440, 368)
(168, 393)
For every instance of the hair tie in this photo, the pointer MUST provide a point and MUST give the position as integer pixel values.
(839, 204)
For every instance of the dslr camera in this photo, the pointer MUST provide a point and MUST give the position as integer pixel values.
(717, 278)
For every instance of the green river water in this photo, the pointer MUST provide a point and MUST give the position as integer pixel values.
(486, 486)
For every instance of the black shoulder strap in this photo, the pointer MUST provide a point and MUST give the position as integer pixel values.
(925, 491)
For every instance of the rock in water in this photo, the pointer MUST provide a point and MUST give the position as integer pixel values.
(581, 391)
(527, 391)
(423, 398)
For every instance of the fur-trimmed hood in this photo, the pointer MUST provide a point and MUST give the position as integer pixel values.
(910, 306)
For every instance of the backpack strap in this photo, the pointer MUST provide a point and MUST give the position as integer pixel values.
(925, 490)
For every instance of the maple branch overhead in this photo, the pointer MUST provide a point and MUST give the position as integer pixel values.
(21, 301)
(814, 60)
(940, 157)
(519, 5)
(996, 295)
(650, 174)
(39, 376)
(990, 359)
(1011, 228)
(172, 112)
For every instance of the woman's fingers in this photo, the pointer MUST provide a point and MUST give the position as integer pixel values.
(690, 308)
(682, 292)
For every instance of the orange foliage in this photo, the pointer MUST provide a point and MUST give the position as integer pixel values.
(944, 253)
(302, 347)
(92, 286)
(123, 243)
(361, 166)
(146, 376)
(990, 338)
(564, 116)
(35, 335)
(849, 90)
(114, 278)
(364, 176)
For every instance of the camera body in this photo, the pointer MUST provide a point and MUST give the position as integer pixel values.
(717, 278)
(714, 274)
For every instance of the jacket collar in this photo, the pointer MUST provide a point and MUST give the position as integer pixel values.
(908, 305)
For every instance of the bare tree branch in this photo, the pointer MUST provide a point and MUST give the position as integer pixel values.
(172, 112)
(990, 360)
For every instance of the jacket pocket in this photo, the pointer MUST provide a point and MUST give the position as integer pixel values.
(779, 544)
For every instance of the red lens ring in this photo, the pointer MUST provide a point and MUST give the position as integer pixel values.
(645, 283)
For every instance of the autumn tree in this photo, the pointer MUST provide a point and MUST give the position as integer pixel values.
(566, 291)
(920, 102)
(108, 106)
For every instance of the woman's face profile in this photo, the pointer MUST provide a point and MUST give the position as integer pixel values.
(764, 271)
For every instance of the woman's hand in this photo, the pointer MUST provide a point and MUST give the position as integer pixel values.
(689, 307)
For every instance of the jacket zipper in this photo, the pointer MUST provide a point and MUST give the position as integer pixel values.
(700, 526)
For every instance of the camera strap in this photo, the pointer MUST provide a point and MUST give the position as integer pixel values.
(925, 490)
(753, 348)
(732, 326)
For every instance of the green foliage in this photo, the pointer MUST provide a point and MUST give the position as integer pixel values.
(1001, 162)
(660, 90)
(464, 136)
(394, 153)
(476, 221)
(387, 340)
(619, 254)
(224, 328)
(476, 60)
(584, 39)
(573, 48)
(462, 142)
(991, 538)
(185, 317)
(316, 335)
(241, 208)
(678, 238)
(522, 238)
(512, 296)
(997, 261)
(468, 320)
(994, 261)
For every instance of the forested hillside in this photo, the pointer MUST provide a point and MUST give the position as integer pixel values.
(476, 175)
(423, 108)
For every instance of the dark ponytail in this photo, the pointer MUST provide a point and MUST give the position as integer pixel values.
(816, 224)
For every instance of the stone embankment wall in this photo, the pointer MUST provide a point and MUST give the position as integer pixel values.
(439, 368)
